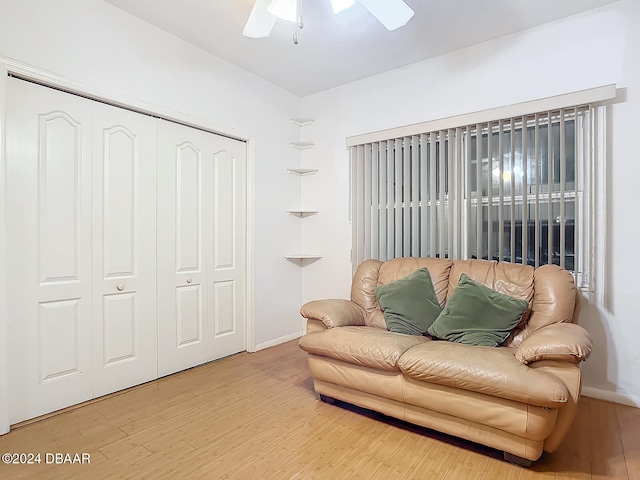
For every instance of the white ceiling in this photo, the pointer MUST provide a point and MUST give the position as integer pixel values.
(338, 49)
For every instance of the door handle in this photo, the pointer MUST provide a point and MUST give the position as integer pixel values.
(120, 287)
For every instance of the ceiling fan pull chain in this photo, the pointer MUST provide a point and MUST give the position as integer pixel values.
(300, 23)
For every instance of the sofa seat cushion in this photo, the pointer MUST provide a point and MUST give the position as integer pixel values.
(366, 346)
(489, 370)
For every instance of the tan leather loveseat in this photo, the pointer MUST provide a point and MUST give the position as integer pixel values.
(520, 397)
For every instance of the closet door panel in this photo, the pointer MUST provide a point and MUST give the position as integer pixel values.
(58, 325)
(48, 241)
(189, 311)
(182, 303)
(188, 197)
(224, 316)
(227, 266)
(124, 237)
(119, 325)
(120, 156)
(224, 211)
(59, 190)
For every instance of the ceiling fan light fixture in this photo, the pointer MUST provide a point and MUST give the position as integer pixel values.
(390, 13)
(284, 9)
(340, 5)
(260, 22)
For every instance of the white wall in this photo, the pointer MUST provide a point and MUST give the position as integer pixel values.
(94, 44)
(588, 50)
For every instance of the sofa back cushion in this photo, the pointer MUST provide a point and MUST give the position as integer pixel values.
(392, 270)
(555, 300)
(511, 279)
(550, 290)
(374, 273)
(363, 291)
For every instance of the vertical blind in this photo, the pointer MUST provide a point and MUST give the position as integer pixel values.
(513, 189)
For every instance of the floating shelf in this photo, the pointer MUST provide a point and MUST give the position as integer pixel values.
(302, 213)
(302, 122)
(302, 256)
(302, 145)
(302, 171)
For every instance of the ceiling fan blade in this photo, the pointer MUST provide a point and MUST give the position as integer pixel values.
(390, 13)
(260, 22)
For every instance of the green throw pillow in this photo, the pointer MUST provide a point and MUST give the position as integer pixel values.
(477, 315)
(409, 304)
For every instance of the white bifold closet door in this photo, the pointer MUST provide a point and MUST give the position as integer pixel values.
(80, 237)
(126, 254)
(201, 247)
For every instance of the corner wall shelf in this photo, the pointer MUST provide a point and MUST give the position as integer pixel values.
(302, 259)
(302, 256)
(302, 213)
(302, 122)
(302, 171)
(302, 145)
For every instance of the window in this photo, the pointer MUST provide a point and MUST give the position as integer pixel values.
(515, 189)
(524, 195)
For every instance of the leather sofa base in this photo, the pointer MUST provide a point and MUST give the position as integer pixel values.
(474, 432)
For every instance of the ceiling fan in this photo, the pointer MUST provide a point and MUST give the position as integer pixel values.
(390, 13)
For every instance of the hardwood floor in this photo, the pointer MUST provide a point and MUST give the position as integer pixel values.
(256, 416)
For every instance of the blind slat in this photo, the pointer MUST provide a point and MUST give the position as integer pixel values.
(512, 178)
(357, 189)
(451, 194)
(389, 203)
(406, 198)
(442, 230)
(563, 179)
(500, 189)
(577, 264)
(424, 237)
(368, 207)
(550, 161)
(397, 211)
(525, 192)
(479, 191)
(432, 194)
(415, 235)
(489, 191)
(384, 211)
(458, 195)
(375, 201)
(468, 192)
(538, 170)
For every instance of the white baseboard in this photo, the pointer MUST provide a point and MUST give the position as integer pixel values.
(609, 396)
(278, 341)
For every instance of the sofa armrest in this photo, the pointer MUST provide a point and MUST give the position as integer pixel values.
(565, 342)
(334, 313)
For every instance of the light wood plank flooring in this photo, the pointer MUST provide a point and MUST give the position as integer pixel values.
(256, 416)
